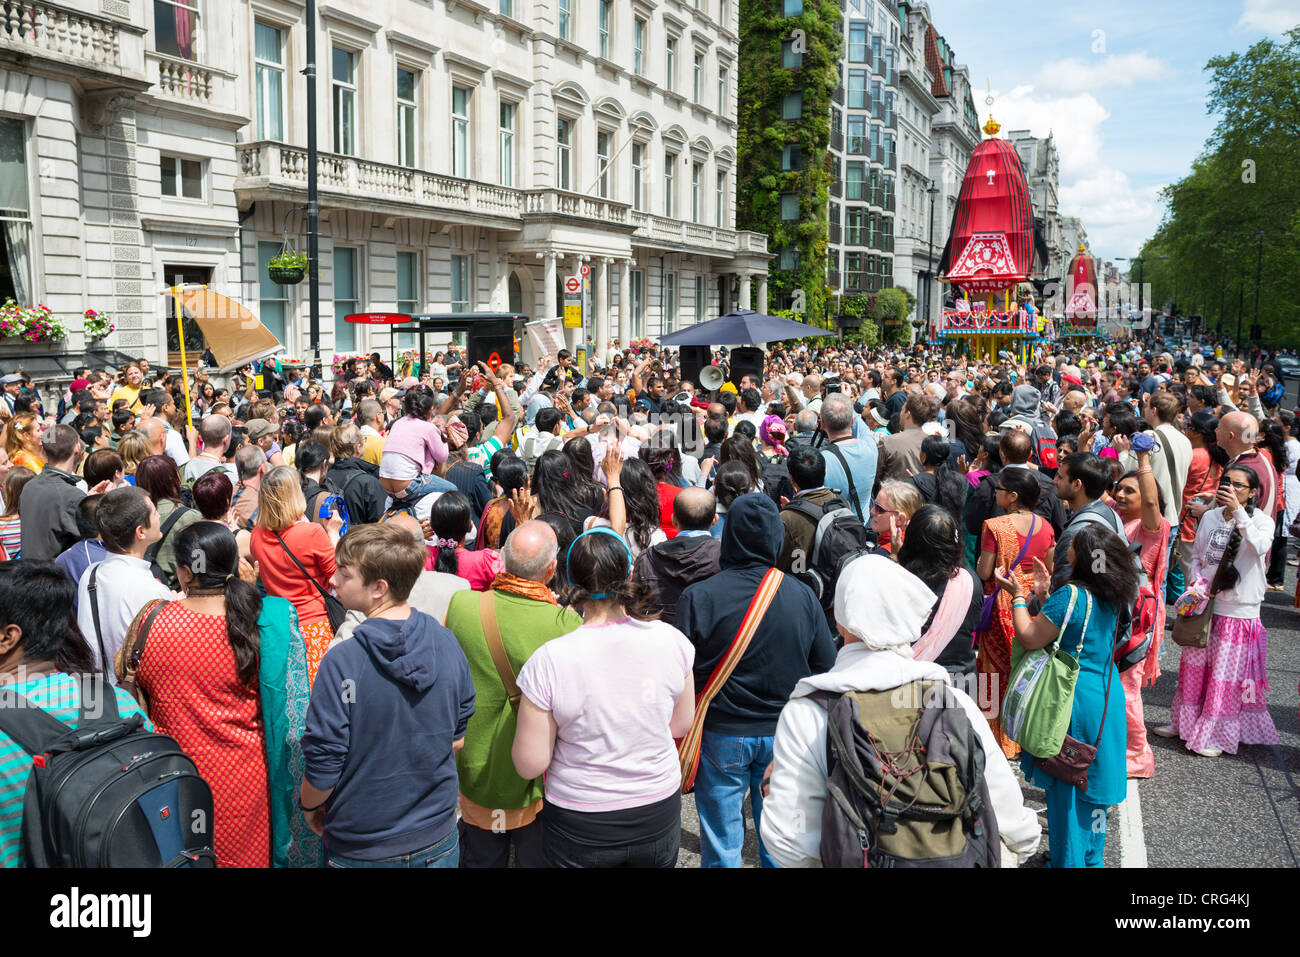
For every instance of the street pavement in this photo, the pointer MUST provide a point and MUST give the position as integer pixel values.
(1237, 811)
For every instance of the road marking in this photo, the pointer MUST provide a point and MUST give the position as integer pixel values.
(1132, 840)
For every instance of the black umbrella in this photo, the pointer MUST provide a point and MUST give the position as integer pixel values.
(743, 327)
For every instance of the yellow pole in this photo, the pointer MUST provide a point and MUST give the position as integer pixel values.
(185, 374)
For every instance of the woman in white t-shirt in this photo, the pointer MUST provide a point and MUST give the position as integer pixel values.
(600, 709)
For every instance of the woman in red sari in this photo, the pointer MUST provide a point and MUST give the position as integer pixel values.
(198, 678)
(1003, 540)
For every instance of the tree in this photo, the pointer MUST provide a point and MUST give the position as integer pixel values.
(1247, 179)
(763, 135)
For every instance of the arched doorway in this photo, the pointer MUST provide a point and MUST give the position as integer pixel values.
(516, 293)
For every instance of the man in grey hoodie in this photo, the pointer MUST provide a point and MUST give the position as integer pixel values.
(1025, 413)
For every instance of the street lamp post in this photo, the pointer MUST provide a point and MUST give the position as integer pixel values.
(313, 206)
(1241, 298)
(929, 263)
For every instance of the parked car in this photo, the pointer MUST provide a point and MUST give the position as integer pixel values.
(1288, 366)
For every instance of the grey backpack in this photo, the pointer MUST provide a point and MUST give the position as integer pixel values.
(906, 781)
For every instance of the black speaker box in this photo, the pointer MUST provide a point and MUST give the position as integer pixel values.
(746, 360)
(692, 359)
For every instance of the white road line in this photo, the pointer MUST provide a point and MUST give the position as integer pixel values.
(1132, 839)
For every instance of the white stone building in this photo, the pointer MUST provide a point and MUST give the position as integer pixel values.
(1042, 164)
(865, 151)
(118, 163)
(470, 158)
(955, 134)
(919, 236)
(1073, 235)
(474, 157)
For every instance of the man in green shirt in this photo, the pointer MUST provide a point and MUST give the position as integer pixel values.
(499, 808)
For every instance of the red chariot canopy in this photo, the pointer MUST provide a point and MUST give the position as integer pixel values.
(1082, 290)
(991, 243)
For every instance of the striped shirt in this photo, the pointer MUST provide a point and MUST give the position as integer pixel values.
(482, 454)
(57, 694)
(11, 537)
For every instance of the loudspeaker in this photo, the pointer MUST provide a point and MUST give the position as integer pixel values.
(691, 359)
(491, 341)
(711, 378)
(746, 360)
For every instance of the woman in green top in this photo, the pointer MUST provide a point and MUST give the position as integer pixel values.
(161, 480)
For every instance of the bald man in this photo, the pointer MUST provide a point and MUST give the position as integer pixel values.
(498, 808)
(156, 429)
(1236, 435)
(691, 556)
(431, 594)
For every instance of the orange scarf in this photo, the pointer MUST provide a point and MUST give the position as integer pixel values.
(522, 587)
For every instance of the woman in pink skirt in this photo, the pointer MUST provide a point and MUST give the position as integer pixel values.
(1220, 699)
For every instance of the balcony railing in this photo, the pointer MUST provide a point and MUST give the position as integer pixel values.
(266, 163)
(561, 202)
(182, 79)
(282, 165)
(55, 32)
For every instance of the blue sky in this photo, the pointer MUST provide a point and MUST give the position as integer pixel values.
(1120, 83)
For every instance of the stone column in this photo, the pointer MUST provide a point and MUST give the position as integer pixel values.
(624, 302)
(744, 291)
(762, 293)
(550, 308)
(600, 327)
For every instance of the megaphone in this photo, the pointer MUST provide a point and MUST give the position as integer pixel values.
(711, 378)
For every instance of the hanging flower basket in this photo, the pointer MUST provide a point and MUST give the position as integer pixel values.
(30, 323)
(97, 325)
(288, 268)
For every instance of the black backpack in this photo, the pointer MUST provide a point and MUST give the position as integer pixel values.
(839, 538)
(109, 793)
(905, 785)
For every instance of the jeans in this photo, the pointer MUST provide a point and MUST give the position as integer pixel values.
(446, 853)
(730, 766)
(561, 852)
(482, 848)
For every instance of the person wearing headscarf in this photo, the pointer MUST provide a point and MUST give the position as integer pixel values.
(774, 459)
(772, 433)
(880, 609)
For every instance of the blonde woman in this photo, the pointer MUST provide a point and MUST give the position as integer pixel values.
(23, 442)
(296, 556)
(892, 509)
(134, 448)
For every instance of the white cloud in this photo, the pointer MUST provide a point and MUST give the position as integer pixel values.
(1273, 17)
(1117, 215)
(1077, 76)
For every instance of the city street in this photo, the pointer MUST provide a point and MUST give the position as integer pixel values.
(1237, 810)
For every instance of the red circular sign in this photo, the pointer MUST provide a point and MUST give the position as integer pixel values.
(493, 361)
(586, 270)
(572, 284)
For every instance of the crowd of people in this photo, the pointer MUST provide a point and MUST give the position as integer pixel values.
(458, 615)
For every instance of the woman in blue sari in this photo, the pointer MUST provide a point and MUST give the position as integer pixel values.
(285, 693)
(1083, 614)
